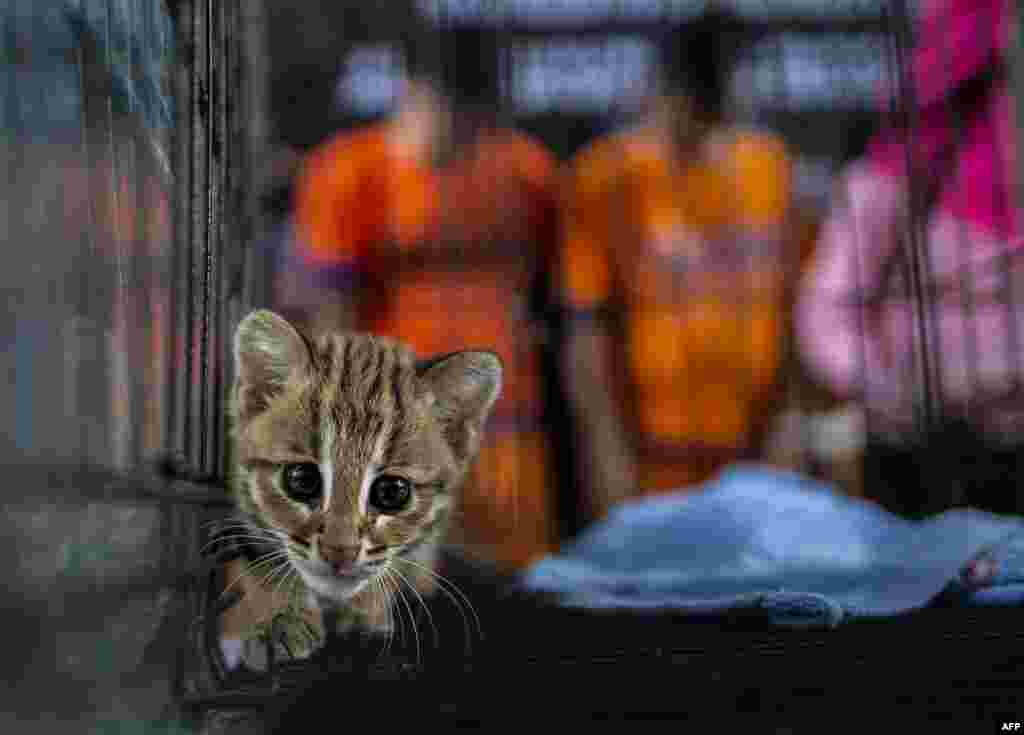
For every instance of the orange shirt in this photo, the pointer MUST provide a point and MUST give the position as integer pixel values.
(445, 258)
(692, 254)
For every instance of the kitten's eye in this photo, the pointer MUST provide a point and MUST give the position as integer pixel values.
(302, 481)
(390, 494)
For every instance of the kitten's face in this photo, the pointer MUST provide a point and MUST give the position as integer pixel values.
(348, 451)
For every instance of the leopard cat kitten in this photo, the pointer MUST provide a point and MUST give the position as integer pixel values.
(347, 454)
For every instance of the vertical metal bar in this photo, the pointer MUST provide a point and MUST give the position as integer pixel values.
(212, 251)
(1017, 81)
(920, 284)
(1011, 268)
(965, 280)
(184, 389)
(249, 275)
(144, 282)
(180, 386)
(872, 295)
(1010, 265)
(151, 283)
(228, 215)
(88, 252)
(199, 198)
(253, 108)
(208, 242)
(117, 376)
(137, 314)
(24, 415)
(228, 83)
(8, 227)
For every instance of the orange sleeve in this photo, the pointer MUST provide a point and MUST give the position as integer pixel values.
(585, 263)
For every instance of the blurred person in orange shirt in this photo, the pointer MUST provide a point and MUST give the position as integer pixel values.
(435, 227)
(674, 272)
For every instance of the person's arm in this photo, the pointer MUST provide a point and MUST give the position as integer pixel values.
(606, 453)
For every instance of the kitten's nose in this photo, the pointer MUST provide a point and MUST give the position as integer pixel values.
(342, 558)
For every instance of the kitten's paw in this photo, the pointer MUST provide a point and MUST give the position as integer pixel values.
(294, 639)
(299, 643)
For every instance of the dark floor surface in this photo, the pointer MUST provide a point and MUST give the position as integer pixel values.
(539, 666)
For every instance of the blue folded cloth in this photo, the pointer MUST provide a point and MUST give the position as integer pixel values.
(787, 547)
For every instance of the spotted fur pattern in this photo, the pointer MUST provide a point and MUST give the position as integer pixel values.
(358, 407)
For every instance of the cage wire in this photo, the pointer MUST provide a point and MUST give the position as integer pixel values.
(134, 132)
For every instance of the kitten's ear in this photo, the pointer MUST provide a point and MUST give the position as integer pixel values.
(465, 385)
(268, 352)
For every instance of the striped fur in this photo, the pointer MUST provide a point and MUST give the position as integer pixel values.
(357, 406)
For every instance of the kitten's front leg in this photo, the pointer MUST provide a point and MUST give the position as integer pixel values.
(263, 613)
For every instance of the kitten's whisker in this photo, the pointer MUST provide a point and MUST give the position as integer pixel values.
(388, 622)
(239, 531)
(228, 521)
(423, 604)
(250, 568)
(444, 585)
(247, 527)
(235, 537)
(391, 614)
(397, 602)
(395, 612)
(385, 603)
(280, 583)
(275, 565)
(243, 530)
(262, 561)
(232, 522)
(283, 536)
(268, 579)
(412, 619)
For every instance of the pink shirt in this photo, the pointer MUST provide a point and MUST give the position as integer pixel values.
(972, 240)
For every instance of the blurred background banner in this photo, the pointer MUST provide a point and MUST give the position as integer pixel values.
(578, 69)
